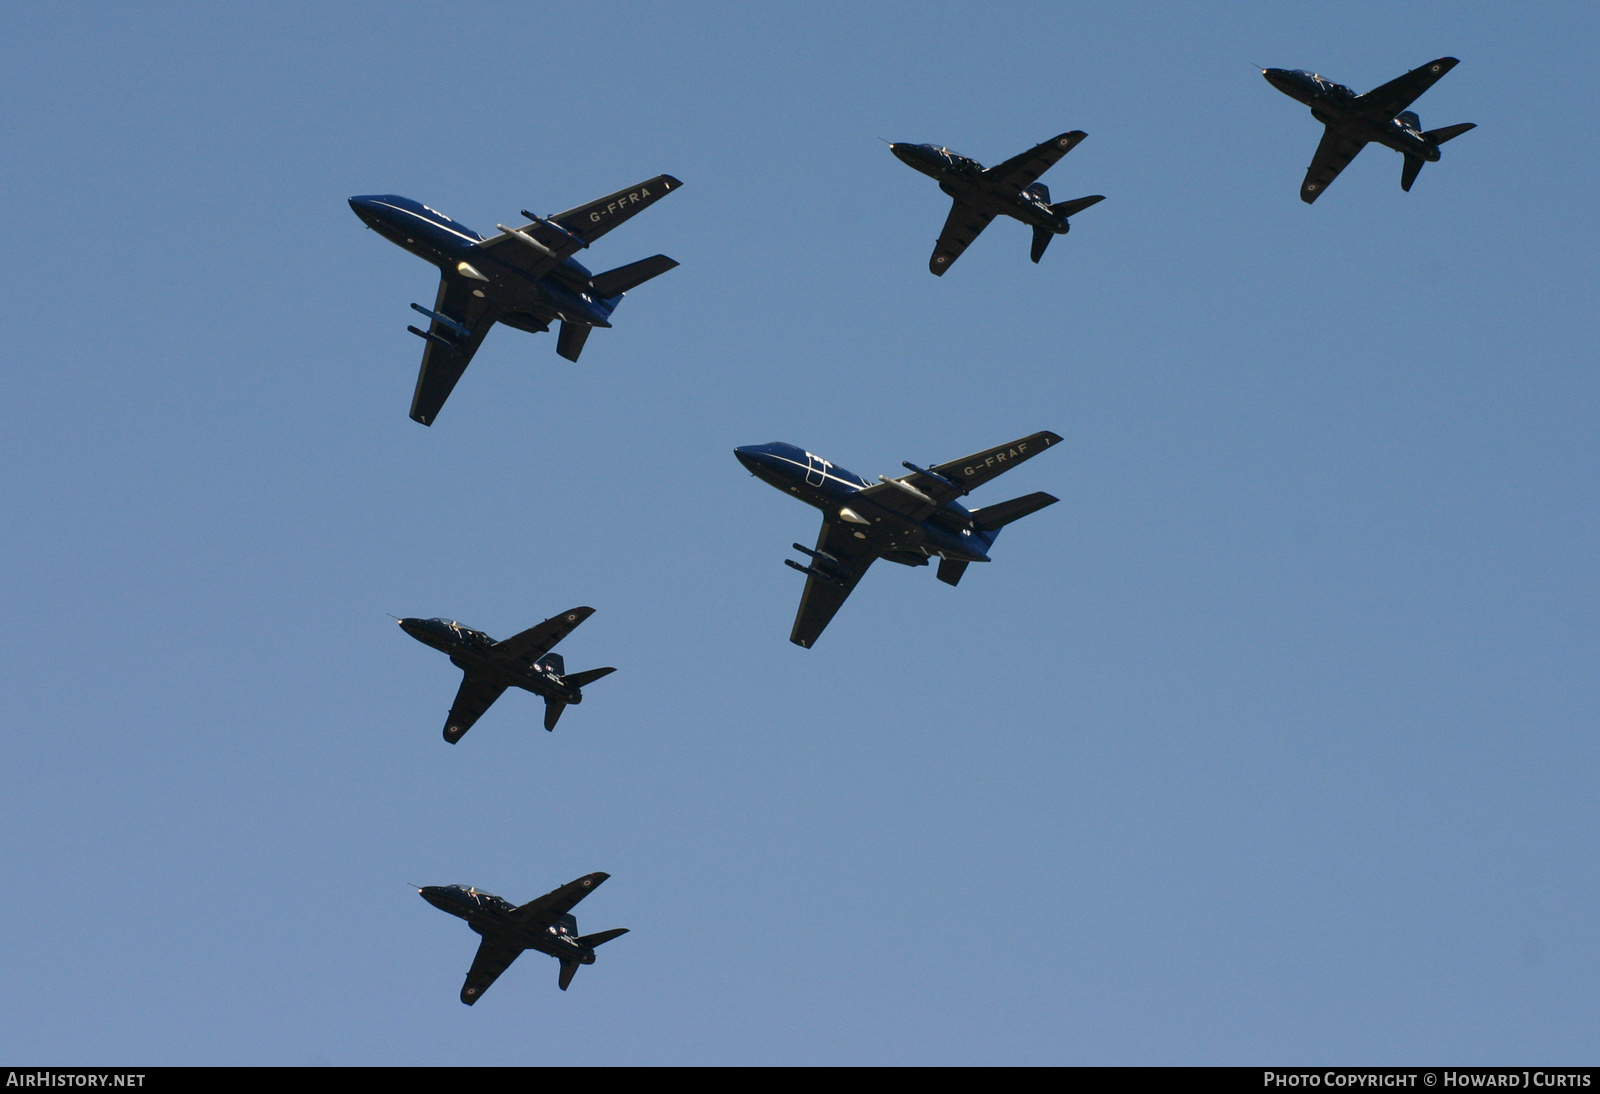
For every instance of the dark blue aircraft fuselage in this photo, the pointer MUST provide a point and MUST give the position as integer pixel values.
(528, 303)
(473, 652)
(1336, 105)
(948, 533)
(488, 914)
(963, 179)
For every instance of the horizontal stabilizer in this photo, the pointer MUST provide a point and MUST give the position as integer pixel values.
(625, 278)
(997, 516)
(552, 712)
(1041, 240)
(1076, 205)
(593, 940)
(569, 343)
(1410, 170)
(1449, 132)
(584, 679)
(951, 569)
(569, 969)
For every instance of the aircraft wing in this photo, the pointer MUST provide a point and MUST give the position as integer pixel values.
(494, 957)
(541, 638)
(961, 227)
(565, 234)
(558, 902)
(823, 597)
(476, 695)
(448, 351)
(918, 495)
(1401, 92)
(1020, 171)
(1334, 154)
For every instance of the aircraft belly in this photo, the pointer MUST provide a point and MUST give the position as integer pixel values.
(954, 546)
(543, 942)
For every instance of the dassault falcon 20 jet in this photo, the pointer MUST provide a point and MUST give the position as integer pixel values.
(546, 925)
(906, 520)
(981, 194)
(1353, 121)
(521, 661)
(524, 277)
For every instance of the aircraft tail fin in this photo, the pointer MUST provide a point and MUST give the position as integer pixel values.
(995, 517)
(593, 940)
(569, 969)
(555, 663)
(552, 712)
(1449, 132)
(584, 679)
(1409, 172)
(1041, 240)
(1076, 205)
(569, 343)
(614, 283)
(951, 569)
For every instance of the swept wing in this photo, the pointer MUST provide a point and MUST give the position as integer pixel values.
(961, 227)
(1020, 171)
(565, 234)
(558, 902)
(1401, 92)
(949, 481)
(541, 638)
(449, 351)
(824, 596)
(494, 957)
(476, 695)
(1334, 154)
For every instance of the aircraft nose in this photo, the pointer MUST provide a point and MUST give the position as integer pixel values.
(365, 207)
(750, 455)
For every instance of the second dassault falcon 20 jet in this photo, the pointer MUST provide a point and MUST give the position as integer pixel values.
(521, 661)
(545, 924)
(981, 194)
(1353, 121)
(906, 520)
(524, 277)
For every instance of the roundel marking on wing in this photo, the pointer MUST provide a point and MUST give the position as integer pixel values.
(1062, 142)
(572, 617)
(1435, 68)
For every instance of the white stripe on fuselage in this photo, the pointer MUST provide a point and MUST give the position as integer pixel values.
(856, 486)
(429, 220)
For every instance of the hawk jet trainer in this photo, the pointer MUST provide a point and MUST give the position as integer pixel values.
(521, 661)
(1353, 121)
(525, 277)
(906, 520)
(546, 925)
(982, 194)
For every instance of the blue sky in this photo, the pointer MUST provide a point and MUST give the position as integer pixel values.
(1275, 741)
